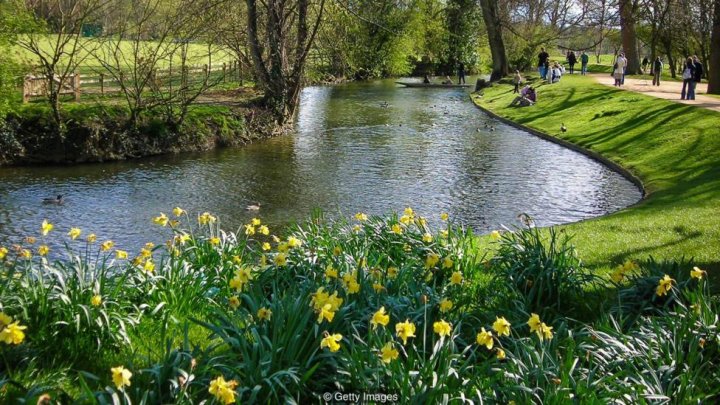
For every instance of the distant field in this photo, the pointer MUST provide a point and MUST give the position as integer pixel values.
(197, 54)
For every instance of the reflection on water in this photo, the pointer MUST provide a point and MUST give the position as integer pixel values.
(428, 149)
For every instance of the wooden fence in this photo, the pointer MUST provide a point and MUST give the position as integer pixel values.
(167, 79)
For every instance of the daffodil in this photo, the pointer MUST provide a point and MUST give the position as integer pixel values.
(405, 330)
(161, 219)
(43, 250)
(234, 302)
(534, 322)
(697, 273)
(353, 287)
(264, 314)
(266, 246)
(330, 272)
(332, 342)
(145, 253)
(447, 262)
(444, 234)
(664, 286)
(243, 275)
(294, 242)
(205, 218)
(96, 300)
(445, 305)
(149, 266)
(74, 233)
(442, 328)
(456, 278)
(392, 272)
(444, 216)
(377, 287)
(30, 240)
(177, 211)
(107, 245)
(545, 332)
(380, 318)
(3, 252)
(326, 312)
(256, 222)
(121, 377)
(223, 391)
(249, 230)
(409, 212)
(500, 354)
(337, 251)
(422, 221)
(485, 338)
(396, 229)
(388, 353)
(5, 320)
(407, 220)
(46, 227)
(501, 326)
(427, 238)
(214, 241)
(283, 247)
(264, 230)
(121, 254)
(280, 259)
(431, 260)
(92, 238)
(495, 235)
(26, 254)
(357, 228)
(12, 334)
(360, 216)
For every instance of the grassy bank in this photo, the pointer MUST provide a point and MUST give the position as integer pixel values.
(673, 148)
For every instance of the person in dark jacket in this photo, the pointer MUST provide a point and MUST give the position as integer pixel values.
(461, 73)
(697, 77)
(657, 71)
(584, 59)
(572, 60)
(543, 63)
(688, 76)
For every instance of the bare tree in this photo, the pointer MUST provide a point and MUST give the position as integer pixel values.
(278, 61)
(56, 41)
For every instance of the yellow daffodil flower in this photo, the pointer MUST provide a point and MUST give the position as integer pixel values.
(495, 235)
(388, 353)
(177, 211)
(12, 334)
(409, 212)
(256, 222)
(121, 254)
(3, 252)
(161, 220)
(326, 312)
(445, 305)
(264, 314)
(280, 259)
(46, 227)
(406, 220)
(332, 342)
(149, 266)
(43, 250)
(92, 238)
(377, 287)
(447, 263)
(96, 300)
(697, 273)
(396, 229)
(360, 216)
(485, 338)
(444, 216)
(501, 326)
(456, 278)
(121, 377)
(266, 246)
(442, 328)
(380, 318)
(264, 230)
(205, 218)
(74, 233)
(249, 230)
(500, 354)
(26, 254)
(392, 272)
(223, 391)
(405, 330)
(431, 260)
(234, 302)
(294, 242)
(214, 241)
(107, 245)
(337, 251)
(427, 238)
(534, 322)
(545, 332)
(664, 286)
(5, 320)
(330, 272)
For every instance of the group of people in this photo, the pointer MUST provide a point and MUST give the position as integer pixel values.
(553, 71)
(448, 80)
(692, 75)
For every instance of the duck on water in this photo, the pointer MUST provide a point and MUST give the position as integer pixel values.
(56, 201)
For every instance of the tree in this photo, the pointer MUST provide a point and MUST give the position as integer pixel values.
(495, 39)
(714, 71)
(628, 11)
(278, 61)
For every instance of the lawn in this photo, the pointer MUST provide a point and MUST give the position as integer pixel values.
(674, 149)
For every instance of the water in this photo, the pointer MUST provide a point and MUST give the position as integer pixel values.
(428, 149)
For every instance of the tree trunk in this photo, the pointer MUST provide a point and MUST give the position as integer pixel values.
(714, 62)
(495, 40)
(629, 37)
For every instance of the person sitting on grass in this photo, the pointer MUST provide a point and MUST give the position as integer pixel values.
(526, 98)
(556, 73)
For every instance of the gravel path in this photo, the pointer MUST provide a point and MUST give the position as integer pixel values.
(669, 90)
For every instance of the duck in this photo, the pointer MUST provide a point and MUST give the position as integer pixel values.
(384, 104)
(492, 128)
(253, 207)
(487, 125)
(57, 200)
(563, 128)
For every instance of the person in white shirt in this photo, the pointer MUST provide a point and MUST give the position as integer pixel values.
(619, 69)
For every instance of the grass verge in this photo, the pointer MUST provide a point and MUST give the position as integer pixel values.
(674, 149)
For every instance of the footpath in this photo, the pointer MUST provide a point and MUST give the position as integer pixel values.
(668, 90)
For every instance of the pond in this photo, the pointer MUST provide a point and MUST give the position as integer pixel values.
(370, 147)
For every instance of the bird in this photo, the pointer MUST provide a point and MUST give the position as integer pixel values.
(253, 207)
(487, 125)
(563, 128)
(57, 201)
(384, 104)
(492, 128)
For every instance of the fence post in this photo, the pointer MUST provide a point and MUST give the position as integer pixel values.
(102, 84)
(76, 86)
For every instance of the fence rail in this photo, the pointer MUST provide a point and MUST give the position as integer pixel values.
(106, 83)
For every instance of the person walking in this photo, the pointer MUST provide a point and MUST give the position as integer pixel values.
(688, 76)
(657, 71)
(461, 73)
(645, 63)
(572, 60)
(584, 59)
(697, 77)
(619, 69)
(517, 79)
(543, 63)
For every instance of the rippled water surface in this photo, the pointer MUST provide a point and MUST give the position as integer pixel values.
(428, 149)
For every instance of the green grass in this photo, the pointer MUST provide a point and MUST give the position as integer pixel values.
(196, 54)
(673, 148)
